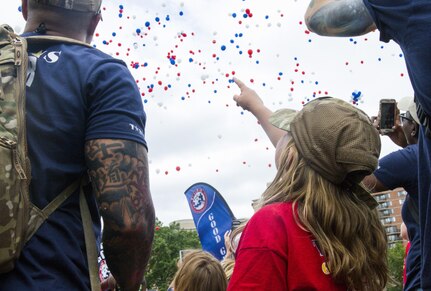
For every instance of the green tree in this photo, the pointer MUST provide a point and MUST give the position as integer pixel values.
(395, 264)
(168, 241)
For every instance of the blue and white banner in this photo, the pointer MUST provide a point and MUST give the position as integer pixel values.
(212, 217)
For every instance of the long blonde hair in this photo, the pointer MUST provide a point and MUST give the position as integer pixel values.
(200, 271)
(348, 232)
(228, 265)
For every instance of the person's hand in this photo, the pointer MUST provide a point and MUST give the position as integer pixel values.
(108, 284)
(248, 98)
(376, 122)
(397, 135)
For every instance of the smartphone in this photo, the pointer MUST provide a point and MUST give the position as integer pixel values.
(388, 108)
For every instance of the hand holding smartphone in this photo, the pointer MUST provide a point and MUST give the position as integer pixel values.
(388, 110)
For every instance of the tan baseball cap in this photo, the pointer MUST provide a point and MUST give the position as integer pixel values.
(336, 139)
(76, 5)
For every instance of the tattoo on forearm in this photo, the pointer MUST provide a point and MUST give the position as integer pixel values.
(340, 18)
(119, 173)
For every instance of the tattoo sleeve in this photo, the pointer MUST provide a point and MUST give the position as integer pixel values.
(339, 18)
(119, 173)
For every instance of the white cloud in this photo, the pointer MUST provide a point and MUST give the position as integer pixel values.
(205, 134)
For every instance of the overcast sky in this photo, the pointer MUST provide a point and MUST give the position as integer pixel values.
(183, 55)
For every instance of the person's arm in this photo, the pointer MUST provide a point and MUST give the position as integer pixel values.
(339, 18)
(373, 184)
(250, 101)
(119, 173)
(397, 136)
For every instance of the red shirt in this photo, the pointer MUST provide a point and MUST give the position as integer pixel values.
(275, 254)
(404, 263)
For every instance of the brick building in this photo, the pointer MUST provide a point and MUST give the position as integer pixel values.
(390, 203)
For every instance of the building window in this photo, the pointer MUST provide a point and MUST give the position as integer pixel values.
(382, 197)
(401, 193)
(387, 220)
(384, 205)
(387, 212)
(393, 237)
(392, 229)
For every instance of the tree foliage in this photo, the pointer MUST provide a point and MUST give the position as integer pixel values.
(168, 241)
(396, 264)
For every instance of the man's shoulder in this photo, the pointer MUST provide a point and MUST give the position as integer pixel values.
(70, 47)
(412, 147)
(408, 151)
(83, 51)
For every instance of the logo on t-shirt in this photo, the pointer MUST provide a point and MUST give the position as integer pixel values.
(52, 57)
(325, 268)
(136, 128)
(198, 200)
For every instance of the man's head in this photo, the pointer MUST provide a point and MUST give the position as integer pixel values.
(71, 18)
(409, 119)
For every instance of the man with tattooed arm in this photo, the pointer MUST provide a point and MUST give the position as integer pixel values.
(408, 23)
(84, 118)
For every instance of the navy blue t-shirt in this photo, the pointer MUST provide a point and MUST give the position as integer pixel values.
(74, 94)
(399, 169)
(408, 23)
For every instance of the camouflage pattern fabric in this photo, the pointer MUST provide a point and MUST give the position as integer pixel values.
(14, 163)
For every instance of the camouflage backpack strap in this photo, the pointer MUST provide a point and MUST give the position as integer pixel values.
(90, 240)
(38, 216)
(14, 163)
